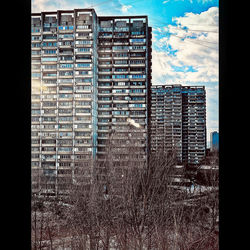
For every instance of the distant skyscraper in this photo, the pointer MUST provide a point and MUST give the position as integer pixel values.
(178, 121)
(90, 78)
(214, 141)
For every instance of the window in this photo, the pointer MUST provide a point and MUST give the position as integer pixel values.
(66, 65)
(49, 36)
(82, 103)
(49, 81)
(137, 98)
(49, 59)
(137, 33)
(65, 142)
(66, 134)
(35, 38)
(83, 88)
(49, 44)
(79, 80)
(82, 110)
(120, 47)
(120, 54)
(66, 88)
(121, 69)
(49, 104)
(86, 134)
(65, 126)
(83, 96)
(83, 65)
(138, 40)
(65, 149)
(66, 58)
(120, 76)
(48, 141)
(83, 50)
(66, 73)
(36, 111)
(137, 90)
(65, 27)
(49, 51)
(35, 30)
(35, 52)
(49, 119)
(83, 42)
(35, 163)
(82, 72)
(66, 43)
(65, 118)
(121, 62)
(120, 112)
(35, 75)
(66, 35)
(35, 45)
(65, 111)
(138, 76)
(49, 66)
(105, 77)
(137, 105)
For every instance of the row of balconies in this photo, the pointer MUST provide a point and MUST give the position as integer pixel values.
(128, 71)
(121, 94)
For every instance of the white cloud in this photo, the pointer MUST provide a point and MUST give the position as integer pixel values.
(125, 8)
(194, 47)
(53, 5)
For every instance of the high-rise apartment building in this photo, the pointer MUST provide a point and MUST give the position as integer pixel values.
(90, 81)
(178, 122)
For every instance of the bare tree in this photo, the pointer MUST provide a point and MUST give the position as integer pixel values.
(131, 203)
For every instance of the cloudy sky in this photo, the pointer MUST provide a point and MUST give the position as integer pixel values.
(185, 40)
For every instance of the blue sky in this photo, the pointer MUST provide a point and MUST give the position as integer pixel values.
(185, 40)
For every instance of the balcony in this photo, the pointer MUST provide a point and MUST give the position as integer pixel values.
(117, 93)
(104, 108)
(121, 43)
(50, 39)
(120, 58)
(89, 75)
(105, 73)
(64, 46)
(66, 53)
(120, 36)
(104, 50)
(104, 79)
(84, 37)
(104, 101)
(49, 77)
(65, 31)
(120, 72)
(66, 38)
(82, 29)
(105, 115)
(105, 65)
(120, 79)
(36, 41)
(63, 60)
(36, 56)
(65, 76)
(110, 36)
(105, 58)
(137, 94)
(120, 101)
